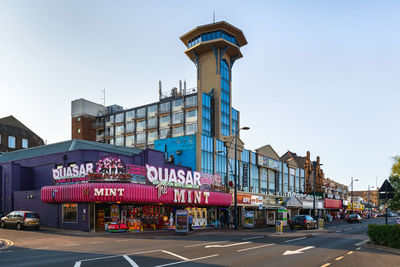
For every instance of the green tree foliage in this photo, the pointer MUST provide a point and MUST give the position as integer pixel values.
(394, 180)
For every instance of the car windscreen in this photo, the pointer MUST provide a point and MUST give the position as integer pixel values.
(298, 218)
(32, 215)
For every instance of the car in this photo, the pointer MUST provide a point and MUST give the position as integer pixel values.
(354, 218)
(2, 214)
(21, 219)
(303, 221)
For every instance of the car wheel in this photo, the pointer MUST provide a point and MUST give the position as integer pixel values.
(19, 227)
(3, 225)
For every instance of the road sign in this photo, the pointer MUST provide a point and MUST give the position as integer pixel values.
(386, 186)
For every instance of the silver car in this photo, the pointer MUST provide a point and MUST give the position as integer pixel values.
(21, 219)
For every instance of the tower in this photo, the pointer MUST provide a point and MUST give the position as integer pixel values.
(214, 48)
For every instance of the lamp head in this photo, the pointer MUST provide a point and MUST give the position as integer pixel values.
(245, 128)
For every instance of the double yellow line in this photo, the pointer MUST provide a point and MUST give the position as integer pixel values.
(4, 243)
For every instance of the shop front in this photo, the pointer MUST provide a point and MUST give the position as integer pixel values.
(333, 207)
(293, 205)
(251, 212)
(133, 207)
(272, 205)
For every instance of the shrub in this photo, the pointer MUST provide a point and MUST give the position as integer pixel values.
(388, 235)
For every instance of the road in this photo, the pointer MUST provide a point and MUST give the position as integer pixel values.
(340, 244)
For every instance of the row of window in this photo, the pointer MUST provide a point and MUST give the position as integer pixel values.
(187, 117)
(211, 36)
(150, 137)
(153, 110)
(13, 144)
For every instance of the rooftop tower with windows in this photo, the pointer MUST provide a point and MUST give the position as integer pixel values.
(214, 48)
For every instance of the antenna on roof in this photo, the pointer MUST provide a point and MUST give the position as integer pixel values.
(213, 16)
(104, 99)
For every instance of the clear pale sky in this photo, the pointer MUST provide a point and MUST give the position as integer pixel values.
(316, 75)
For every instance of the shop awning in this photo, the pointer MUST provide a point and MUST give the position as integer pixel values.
(131, 193)
(333, 204)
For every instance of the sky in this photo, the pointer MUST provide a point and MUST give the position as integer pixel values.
(318, 76)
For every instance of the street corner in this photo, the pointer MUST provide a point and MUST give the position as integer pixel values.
(371, 245)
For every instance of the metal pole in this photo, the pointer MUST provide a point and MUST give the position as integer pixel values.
(352, 202)
(314, 186)
(236, 211)
(369, 207)
(386, 205)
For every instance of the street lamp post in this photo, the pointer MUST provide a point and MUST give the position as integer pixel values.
(235, 214)
(352, 201)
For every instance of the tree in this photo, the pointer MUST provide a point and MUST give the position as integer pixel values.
(394, 179)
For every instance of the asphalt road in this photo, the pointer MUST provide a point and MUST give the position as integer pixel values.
(340, 244)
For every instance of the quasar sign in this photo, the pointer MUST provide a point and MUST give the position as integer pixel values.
(72, 174)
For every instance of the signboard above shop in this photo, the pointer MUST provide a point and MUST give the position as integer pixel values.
(112, 169)
(267, 162)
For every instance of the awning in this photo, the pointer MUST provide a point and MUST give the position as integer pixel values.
(333, 204)
(131, 193)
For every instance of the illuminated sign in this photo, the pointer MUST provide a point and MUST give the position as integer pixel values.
(190, 196)
(172, 177)
(109, 192)
(72, 173)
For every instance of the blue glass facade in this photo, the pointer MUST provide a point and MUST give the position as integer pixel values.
(211, 36)
(225, 99)
(271, 182)
(302, 186)
(291, 180)
(264, 180)
(235, 120)
(285, 178)
(255, 184)
(207, 154)
(207, 115)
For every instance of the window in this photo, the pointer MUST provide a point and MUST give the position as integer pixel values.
(130, 127)
(129, 115)
(191, 101)
(70, 212)
(191, 115)
(151, 137)
(119, 130)
(119, 118)
(141, 138)
(225, 102)
(78, 119)
(130, 140)
(177, 104)
(0, 138)
(141, 113)
(119, 141)
(79, 130)
(177, 118)
(140, 126)
(191, 129)
(165, 107)
(165, 121)
(164, 133)
(177, 131)
(206, 115)
(152, 123)
(24, 143)
(151, 111)
(271, 182)
(11, 142)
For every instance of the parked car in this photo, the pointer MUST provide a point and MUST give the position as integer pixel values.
(21, 219)
(303, 221)
(354, 218)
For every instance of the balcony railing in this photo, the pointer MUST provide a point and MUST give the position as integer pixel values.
(176, 93)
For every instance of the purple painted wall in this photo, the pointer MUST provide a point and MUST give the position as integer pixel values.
(21, 181)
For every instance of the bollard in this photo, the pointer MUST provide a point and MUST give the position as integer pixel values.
(321, 224)
(279, 227)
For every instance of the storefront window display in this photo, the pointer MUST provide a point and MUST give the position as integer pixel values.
(70, 212)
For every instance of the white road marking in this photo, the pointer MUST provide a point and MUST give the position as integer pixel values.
(266, 245)
(254, 237)
(179, 262)
(78, 263)
(362, 243)
(42, 248)
(175, 255)
(229, 245)
(97, 242)
(196, 245)
(291, 252)
(347, 229)
(358, 248)
(338, 231)
(292, 240)
(132, 263)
